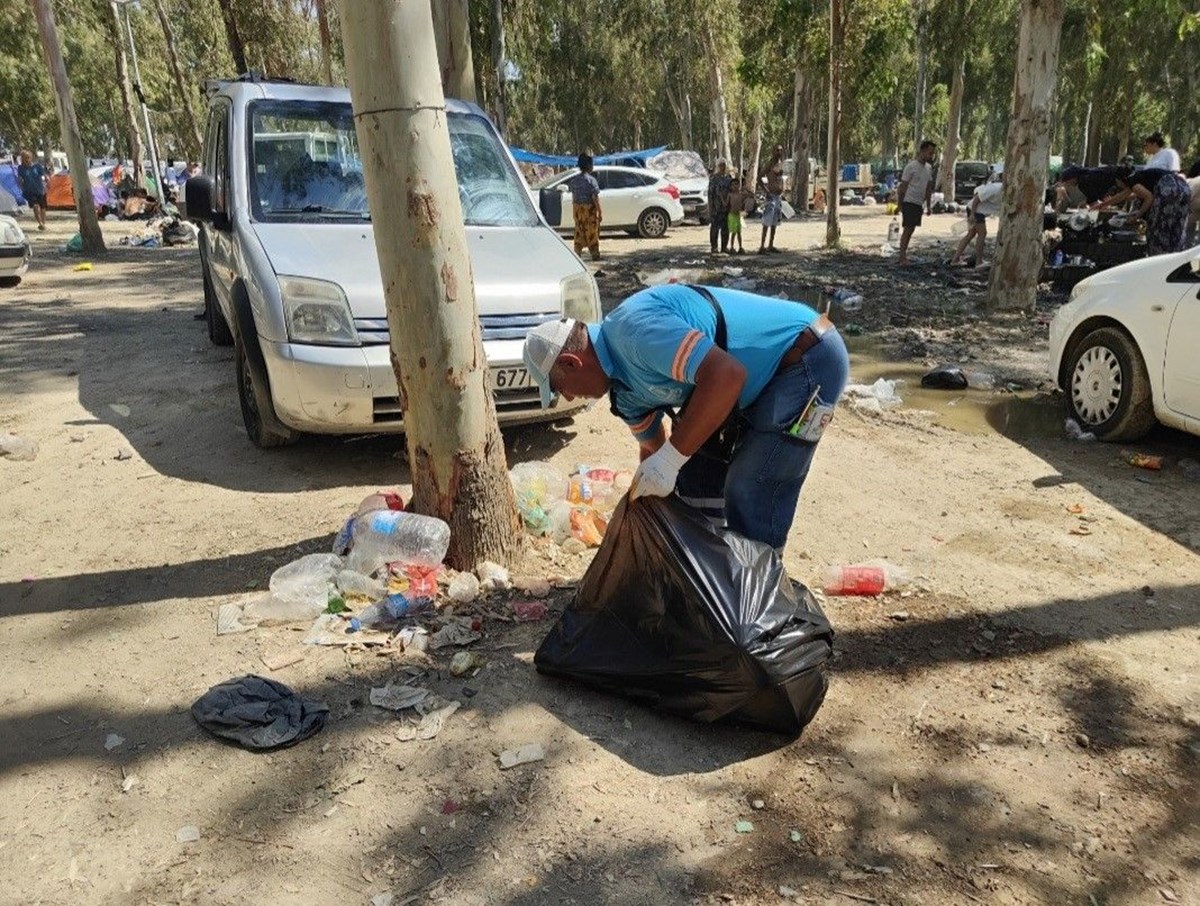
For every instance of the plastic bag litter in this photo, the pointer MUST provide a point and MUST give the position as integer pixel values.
(746, 284)
(537, 486)
(13, 446)
(672, 275)
(882, 391)
(299, 591)
(694, 620)
(1075, 432)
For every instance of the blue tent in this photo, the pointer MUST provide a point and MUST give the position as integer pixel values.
(8, 179)
(621, 158)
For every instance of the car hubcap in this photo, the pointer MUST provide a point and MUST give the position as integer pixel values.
(1097, 385)
(654, 224)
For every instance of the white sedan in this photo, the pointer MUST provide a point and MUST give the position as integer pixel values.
(1124, 348)
(632, 199)
(14, 251)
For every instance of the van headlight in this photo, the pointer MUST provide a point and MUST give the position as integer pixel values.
(580, 298)
(316, 311)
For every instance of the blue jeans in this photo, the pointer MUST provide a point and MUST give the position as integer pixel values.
(756, 493)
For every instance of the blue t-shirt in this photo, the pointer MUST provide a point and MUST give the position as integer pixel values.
(652, 345)
(584, 188)
(32, 179)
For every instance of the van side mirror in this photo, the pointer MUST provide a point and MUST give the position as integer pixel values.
(198, 194)
(550, 201)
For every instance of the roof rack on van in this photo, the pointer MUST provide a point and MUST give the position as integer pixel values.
(212, 86)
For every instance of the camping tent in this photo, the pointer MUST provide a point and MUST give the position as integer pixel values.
(58, 192)
(621, 158)
(8, 203)
(10, 183)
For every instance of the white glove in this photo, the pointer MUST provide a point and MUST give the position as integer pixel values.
(656, 476)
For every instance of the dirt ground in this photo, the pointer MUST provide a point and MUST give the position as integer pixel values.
(1025, 731)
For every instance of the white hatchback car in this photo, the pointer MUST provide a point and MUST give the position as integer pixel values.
(14, 251)
(1123, 349)
(632, 199)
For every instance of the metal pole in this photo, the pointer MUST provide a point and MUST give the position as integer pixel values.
(151, 145)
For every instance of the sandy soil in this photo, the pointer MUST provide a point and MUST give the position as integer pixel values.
(1028, 733)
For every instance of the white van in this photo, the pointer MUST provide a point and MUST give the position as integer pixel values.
(292, 281)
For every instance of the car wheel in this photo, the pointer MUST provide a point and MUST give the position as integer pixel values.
(218, 328)
(249, 395)
(9, 282)
(1108, 388)
(653, 223)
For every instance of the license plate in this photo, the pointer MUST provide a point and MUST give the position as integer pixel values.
(510, 378)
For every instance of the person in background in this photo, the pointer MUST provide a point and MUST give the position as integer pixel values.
(914, 193)
(983, 204)
(585, 207)
(771, 179)
(1159, 156)
(737, 199)
(750, 383)
(718, 208)
(1082, 186)
(193, 169)
(33, 179)
(1163, 201)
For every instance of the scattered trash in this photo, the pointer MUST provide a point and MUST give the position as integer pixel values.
(422, 580)
(84, 266)
(529, 611)
(795, 836)
(300, 590)
(745, 284)
(352, 584)
(413, 638)
(123, 453)
(1142, 460)
(492, 576)
(189, 833)
(1075, 509)
(130, 782)
(463, 588)
(900, 616)
(744, 827)
(120, 409)
(230, 619)
(887, 250)
(385, 614)
(113, 741)
(1077, 433)
(19, 448)
(865, 579)
(671, 275)
(846, 299)
(382, 899)
(332, 629)
(395, 536)
(537, 486)
(397, 698)
(883, 392)
(454, 632)
(730, 271)
(431, 722)
(526, 754)
(758, 805)
(281, 659)
(258, 713)
(532, 585)
(74, 244)
(465, 662)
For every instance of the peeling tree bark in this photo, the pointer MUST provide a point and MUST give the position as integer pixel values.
(833, 156)
(953, 129)
(192, 135)
(801, 130)
(452, 32)
(720, 110)
(454, 445)
(85, 203)
(1018, 264)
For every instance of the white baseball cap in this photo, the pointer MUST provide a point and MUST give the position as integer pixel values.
(542, 347)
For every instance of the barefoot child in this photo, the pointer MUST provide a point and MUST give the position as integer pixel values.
(737, 198)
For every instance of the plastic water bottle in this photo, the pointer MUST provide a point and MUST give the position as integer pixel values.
(392, 536)
(893, 231)
(390, 611)
(866, 580)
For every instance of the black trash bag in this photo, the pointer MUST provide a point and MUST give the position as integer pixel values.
(693, 620)
(258, 713)
(945, 377)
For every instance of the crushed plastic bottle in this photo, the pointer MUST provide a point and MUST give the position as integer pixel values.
(351, 583)
(390, 611)
(19, 448)
(537, 487)
(307, 580)
(894, 231)
(866, 579)
(390, 536)
(1075, 432)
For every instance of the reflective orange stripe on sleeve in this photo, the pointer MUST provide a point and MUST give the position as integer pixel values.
(644, 423)
(679, 366)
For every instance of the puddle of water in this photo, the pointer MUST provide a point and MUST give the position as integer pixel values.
(1018, 415)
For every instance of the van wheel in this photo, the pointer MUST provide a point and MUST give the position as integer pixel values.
(653, 223)
(252, 397)
(218, 328)
(1108, 388)
(10, 282)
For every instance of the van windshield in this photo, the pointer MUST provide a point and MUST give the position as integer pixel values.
(305, 166)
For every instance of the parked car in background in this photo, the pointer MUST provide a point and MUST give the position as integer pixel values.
(638, 201)
(14, 252)
(291, 279)
(687, 171)
(1123, 349)
(969, 175)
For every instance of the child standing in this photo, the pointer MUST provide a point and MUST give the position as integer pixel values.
(737, 198)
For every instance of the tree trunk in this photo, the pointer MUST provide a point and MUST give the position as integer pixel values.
(922, 68)
(237, 50)
(85, 204)
(326, 51)
(452, 31)
(833, 155)
(192, 141)
(720, 111)
(454, 445)
(1092, 154)
(801, 113)
(756, 145)
(132, 130)
(1018, 263)
(688, 131)
(953, 126)
(681, 107)
(498, 65)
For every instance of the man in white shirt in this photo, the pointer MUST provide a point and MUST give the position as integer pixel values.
(913, 193)
(1159, 156)
(984, 204)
